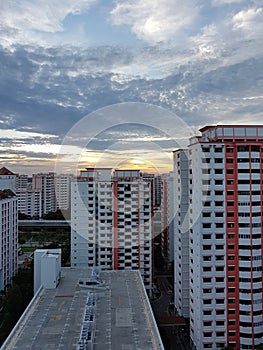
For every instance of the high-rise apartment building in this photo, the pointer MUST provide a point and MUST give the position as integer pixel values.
(29, 202)
(225, 236)
(8, 237)
(111, 221)
(22, 182)
(62, 190)
(181, 233)
(167, 217)
(45, 182)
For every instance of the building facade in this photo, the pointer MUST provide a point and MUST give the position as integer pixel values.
(111, 221)
(225, 237)
(62, 190)
(29, 202)
(45, 182)
(167, 218)
(181, 233)
(8, 238)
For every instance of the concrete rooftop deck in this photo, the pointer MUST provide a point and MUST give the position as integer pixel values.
(123, 316)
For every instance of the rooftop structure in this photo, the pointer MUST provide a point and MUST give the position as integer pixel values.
(113, 314)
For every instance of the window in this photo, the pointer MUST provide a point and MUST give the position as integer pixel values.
(220, 312)
(218, 193)
(207, 268)
(219, 279)
(219, 268)
(220, 334)
(243, 148)
(207, 279)
(207, 335)
(218, 182)
(220, 301)
(207, 312)
(206, 182)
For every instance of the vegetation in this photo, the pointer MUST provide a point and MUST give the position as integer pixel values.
(57, 215)
(47, 238)
(14, 300)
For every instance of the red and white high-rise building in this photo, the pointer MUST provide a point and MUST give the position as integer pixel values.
(225, 232)
(111, 221)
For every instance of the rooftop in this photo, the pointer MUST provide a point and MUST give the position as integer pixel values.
(5, 171)
(122, 319)
(6, 194)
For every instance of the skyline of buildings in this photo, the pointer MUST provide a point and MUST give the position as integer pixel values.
(210, 210)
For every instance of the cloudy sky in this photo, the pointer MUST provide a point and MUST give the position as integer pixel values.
(63, 62)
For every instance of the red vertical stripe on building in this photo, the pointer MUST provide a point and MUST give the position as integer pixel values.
(230, 240)
(115, 224)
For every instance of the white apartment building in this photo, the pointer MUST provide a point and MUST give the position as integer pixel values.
(7, 179)
(29, 202)
(225, 237)
(45, 182)
(167, 218)
(8, 237)
(111, 221)
(181, 233)
(62, 190)
(22, 182)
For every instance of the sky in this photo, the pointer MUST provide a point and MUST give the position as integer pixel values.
(91, 70)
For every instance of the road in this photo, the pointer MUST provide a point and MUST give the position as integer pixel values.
(173, 338)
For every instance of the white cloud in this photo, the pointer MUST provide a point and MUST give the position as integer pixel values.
(225, 2)
(154, 20)
(16, 134)
(249, 21)
(22, 20)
